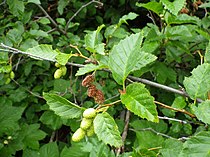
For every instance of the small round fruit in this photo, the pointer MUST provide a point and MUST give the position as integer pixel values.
(58, 73)
(57, 65)
(64, 69)
(90, 131)
(86, 123)
(89, 113)
(78, 135)
(7, 81)
(6, 142)
(12, 75)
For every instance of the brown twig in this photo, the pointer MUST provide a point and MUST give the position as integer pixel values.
(145, 81)
(125, 132)
(77, 12)
(175, 109)
(53, 22)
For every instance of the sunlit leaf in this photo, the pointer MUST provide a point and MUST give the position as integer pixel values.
(138, 100)
(62, 107)
(106, 129)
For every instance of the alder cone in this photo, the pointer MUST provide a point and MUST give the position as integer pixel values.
(92, 91)
(89, 113)
(99, 97)
(78, 135)
(86, 123)
(88, 80)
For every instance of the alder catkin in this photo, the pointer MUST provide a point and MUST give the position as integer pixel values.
(88, 80)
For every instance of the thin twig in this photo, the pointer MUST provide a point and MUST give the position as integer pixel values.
(77, 12)
(38, 96)
(125, 132)
(175, 109)
(154, 131)
(173, 119)
(53, 22)
(145, 81)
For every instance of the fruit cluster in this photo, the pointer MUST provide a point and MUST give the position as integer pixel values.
(61, 71)
(93, 92)
(86, 125)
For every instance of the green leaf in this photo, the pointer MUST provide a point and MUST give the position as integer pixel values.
(32, 134)
(202, 112)
(61, 5)
(49, 150)
(153, 6)
(88, 68)
(207, 54)
(34, 1)
(138, 100)
(76, 150)
(38, 33)
(175, 6)
(44, 20)
(9, 117)
(198, 84)
(171, 147)
(63, 58)
(50, 119)
(43, 52)
(16, 7)
(143, 60)
(62, 107)
(124, 19)
(124, 57)
(93, 40)
(198, 145)
(106, 129)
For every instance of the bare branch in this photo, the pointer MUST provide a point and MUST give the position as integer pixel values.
(75, 14)
(145, 81)
(53, 22)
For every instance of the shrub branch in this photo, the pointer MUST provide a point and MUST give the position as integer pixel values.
(145, 81)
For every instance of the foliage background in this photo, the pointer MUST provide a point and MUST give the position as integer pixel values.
(175, 40)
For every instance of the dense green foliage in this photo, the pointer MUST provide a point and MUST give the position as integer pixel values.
(60, 59)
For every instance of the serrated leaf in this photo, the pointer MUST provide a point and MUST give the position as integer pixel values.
(51, 120)
(198, 145)
(62, 107)
(61, 5)
(175, 6)
(49, 150)
(93, 40)
(202, 112)
(198, 84)
(63, 58)
(106, 129)
(153, 6)
(207, 54)
(32, 134)
(43, 52)
(16, 7)
(124, 19)
(171, 146)
(88, 68)
(124, 57)
(34, 1)
(9, 118)
(143, 60)
(138, 100)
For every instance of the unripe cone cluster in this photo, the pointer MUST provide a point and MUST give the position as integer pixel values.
(86, 125)
(93, 92)
(61, 71)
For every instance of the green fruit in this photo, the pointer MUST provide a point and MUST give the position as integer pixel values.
(90, 131)
(86, 123)
(58, 73)
(78, 135)
(12, 75)
(89, 113)
(64, 69)
(7, 81)
(57, 65)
